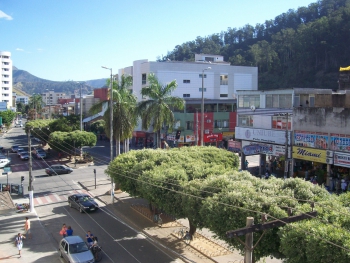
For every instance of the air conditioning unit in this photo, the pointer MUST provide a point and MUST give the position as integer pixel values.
(329, 160)
(208, 120)
(206, 131)
(329, 153)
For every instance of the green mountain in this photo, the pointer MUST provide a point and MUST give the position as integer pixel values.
(25, 82)
(299, 48)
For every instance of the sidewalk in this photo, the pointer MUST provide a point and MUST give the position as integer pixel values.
(39, 249)
(134, 211)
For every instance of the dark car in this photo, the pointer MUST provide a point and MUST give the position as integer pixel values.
(14, 148)
(24, 156)
(58, 169)
(82, 202)
(20, 150)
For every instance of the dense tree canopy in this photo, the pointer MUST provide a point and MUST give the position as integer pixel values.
(299, 48)
(204, 185)
(7, 117)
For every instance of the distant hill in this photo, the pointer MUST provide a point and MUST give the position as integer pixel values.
(25, 82)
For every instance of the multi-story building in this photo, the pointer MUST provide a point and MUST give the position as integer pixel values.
(264, 124)
(22, 99)
(306, 132)
(219, 81)
(6, 78)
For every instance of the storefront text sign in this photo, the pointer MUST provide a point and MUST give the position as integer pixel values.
(340, 142)
(312, 140)
(342, 159)
(262, 135)
(190, 138)
(214, 137)
(309, 154)
(271, 149)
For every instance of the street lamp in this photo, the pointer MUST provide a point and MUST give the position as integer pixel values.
(81, 110)
(111, 127)
(202, 106)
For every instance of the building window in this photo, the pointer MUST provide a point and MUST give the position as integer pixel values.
(205, 76)
(186, 81)
(246, 101)
(144, 79)
(279, 101)
(218, 124)
(189, 125)
(245, 121)
(223, 95)
(223, 79)
(205, 89)
(186, 95)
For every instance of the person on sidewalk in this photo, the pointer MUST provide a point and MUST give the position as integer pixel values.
(69, 231)
(63, 231)
(19, 243)
(27, 228)
(89, 238)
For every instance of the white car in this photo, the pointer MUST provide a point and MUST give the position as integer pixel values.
(74, 250)
(4, 163)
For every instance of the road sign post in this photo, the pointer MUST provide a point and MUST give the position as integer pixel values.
(95, 177)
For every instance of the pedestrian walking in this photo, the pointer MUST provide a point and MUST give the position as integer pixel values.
(89, 238)
(27, 228)
(63, 231)
(69, 231)
(246, 164)
(19, 243)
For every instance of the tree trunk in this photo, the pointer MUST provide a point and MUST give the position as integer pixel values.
(117, 145)
(158, 139)
(193, 229)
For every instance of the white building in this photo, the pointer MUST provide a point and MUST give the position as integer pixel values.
(22, 99)
(50, 97)
(6, 78)
(221, 80)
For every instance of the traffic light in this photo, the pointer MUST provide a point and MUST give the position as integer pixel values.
(22, 178)
(178, 133)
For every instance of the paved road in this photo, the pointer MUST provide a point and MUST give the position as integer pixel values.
(120, 242)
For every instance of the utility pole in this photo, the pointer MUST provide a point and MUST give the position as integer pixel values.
(249, 242)
(251, 228)
(286, 162)
(30, 187)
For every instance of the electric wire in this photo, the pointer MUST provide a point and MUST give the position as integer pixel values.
(245, 209)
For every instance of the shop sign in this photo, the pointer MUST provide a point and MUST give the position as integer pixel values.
(312, 140)
(234, 146)
(262, 135)
(271, 149)
(228, 134)
(214, 137)
(340, 142)
(342, 159)
(190, 138)
(171, 137)
(309, 154)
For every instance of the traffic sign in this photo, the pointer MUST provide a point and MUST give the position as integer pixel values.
(7, 170)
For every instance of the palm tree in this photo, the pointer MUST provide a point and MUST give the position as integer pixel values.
(36, 103)
(124, 117)
(156, 111)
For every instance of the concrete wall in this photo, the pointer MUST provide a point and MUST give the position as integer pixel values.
(332, 120)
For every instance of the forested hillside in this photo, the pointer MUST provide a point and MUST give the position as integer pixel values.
(299, 48)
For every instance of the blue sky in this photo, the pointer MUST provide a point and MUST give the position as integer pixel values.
(64, 40)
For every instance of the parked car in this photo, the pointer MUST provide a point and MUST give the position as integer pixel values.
(82, 202)
(4, 163)
(24, 156)
(58, 169)
(39, 153)
(14, 148)
(73, 249)
(18, 125)
(19, 151)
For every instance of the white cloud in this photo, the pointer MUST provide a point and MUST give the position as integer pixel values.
(19, 49)
(40, 49)
(3, 15)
